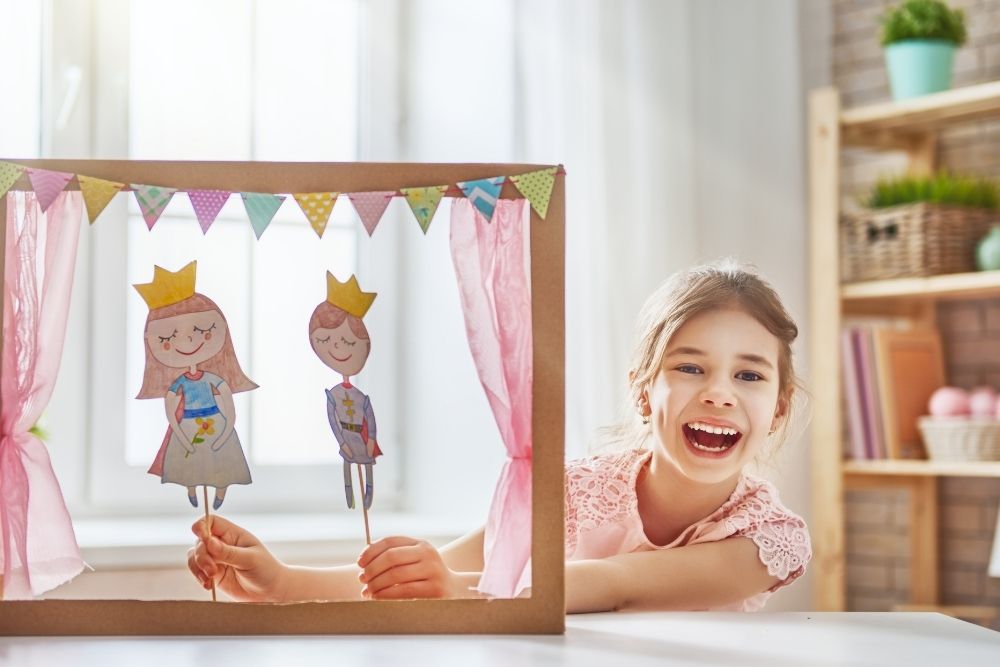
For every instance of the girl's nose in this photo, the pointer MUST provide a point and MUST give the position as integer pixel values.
(718, 396)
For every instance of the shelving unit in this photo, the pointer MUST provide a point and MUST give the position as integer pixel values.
(912, 127)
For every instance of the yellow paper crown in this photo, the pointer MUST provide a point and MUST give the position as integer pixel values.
(168, 287)
(348, 296)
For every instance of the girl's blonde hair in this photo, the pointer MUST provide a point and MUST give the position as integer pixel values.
(157, 377)
(722, 284)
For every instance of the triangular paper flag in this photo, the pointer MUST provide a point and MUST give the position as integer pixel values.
(483, 194)
(207, 204)
(48, 184)
(424, 202)
(97, 192)
(152, 200)
(317, 206)
(9, 173)
(537, 187)
(261, 209)
(370, 206)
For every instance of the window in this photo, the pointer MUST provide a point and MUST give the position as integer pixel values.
(280, 81)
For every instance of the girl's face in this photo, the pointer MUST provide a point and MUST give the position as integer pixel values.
(715, 398)
(186, 340)
(340, 349)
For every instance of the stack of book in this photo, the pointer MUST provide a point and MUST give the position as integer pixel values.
(889, 375)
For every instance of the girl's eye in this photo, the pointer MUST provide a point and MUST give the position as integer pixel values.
(749, 376)
(688, 368)
(166, 339)
(323, 340)
(199, 330)
(347, 342)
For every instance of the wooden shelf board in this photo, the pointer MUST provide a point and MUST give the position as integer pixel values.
(924, 468)
(873, 123)
(955, 285)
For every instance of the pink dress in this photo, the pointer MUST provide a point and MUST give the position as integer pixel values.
(602, 520)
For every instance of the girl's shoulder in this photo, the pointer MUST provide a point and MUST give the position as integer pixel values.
(620, 466)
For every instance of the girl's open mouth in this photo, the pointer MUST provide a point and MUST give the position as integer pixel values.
(709, 439)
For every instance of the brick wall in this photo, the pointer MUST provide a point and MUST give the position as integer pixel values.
(877, 571)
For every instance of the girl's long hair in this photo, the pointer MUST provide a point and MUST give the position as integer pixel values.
(157, 377)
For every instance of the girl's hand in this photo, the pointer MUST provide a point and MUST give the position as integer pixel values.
(396, 568)
(237, 561)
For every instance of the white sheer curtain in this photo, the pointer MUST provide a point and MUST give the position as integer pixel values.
(681, 125)
(606, 88)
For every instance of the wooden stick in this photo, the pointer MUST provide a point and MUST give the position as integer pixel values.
(364, 510)
(208, 529)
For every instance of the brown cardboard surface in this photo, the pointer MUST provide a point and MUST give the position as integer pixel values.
(543, 612)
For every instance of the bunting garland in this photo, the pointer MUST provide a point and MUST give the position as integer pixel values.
(535, 186)
(370, 206)
(207, 204)
(48, 184)
(317, 207)
(483, 194)
(152, 200)
(97, 192)
(9, 173)
(261, 209)
(424, 202)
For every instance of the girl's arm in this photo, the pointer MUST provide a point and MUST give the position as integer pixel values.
(698, 576)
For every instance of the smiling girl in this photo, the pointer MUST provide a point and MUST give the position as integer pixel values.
(192, 366)
(671, 520)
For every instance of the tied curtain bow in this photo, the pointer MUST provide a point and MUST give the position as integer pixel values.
(489, 259)
(38, 549)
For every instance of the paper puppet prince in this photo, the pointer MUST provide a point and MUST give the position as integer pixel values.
(340, 339)
(192, 366)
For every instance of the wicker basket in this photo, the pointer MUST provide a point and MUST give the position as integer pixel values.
(961, 439)
(911, 240)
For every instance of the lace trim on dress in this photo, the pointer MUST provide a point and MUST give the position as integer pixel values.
(782, 538)
(600, 490)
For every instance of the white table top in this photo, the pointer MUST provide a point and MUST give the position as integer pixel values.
(610, 640)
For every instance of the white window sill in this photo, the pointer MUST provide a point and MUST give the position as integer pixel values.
(318, 539)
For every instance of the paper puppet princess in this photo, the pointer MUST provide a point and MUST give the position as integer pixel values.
(340, 339)
(192, 366)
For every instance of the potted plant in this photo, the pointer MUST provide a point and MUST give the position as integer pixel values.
(920, 38)
(918, 226)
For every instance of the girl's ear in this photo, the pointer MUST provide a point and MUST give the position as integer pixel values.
(780, 412)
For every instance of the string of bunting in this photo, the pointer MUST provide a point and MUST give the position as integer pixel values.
(535, 186)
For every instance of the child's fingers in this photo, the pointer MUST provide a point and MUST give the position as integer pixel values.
(242, 558)
(198, 568)
(408, 591)
(391, 558)
(225, 530)
(402, 574)
(375, 549)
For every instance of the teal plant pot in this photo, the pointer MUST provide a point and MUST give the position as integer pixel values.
(919, 66)
(988, 251)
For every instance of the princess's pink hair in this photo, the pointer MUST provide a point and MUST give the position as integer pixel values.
(157, 377)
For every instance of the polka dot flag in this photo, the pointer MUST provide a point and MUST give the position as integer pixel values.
(537, 187)
(207, 204)
(9, 173)
(370, 206)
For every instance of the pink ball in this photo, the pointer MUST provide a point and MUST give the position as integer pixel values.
(982, 401)
(949, 402)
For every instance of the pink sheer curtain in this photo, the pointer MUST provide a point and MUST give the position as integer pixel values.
(492, 277)
(39, 550)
